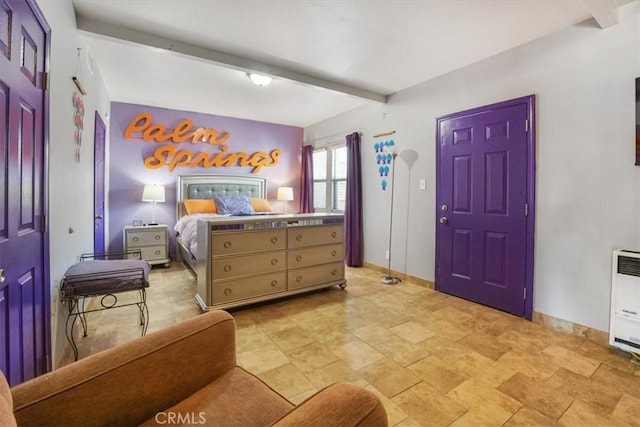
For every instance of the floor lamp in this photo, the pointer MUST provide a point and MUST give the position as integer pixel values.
(389, 279)
(409, 157)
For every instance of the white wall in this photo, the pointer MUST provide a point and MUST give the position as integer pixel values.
(71, 183)
(588, 192)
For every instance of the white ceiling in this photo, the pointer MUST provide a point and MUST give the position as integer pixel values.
(170, 53)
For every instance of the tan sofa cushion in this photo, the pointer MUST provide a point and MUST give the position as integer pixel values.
(340, 404)
(236, 399)
(6, 405)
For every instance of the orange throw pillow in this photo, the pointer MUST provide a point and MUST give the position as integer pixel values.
(194, 206)
(260, 205)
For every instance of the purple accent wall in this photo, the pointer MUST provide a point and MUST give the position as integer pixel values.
(128, 174)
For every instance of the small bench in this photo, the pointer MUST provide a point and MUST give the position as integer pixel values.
(100, 275)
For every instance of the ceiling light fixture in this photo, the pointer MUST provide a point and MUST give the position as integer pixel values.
(259, 79)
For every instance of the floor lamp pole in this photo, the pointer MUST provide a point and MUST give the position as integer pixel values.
(389, 279)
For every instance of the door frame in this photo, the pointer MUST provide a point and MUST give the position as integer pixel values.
(99, 125)
(529, 101)
(33, 5)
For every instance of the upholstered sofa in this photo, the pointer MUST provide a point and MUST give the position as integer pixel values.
(183, 375)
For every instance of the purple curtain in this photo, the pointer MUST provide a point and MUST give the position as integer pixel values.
(354, 256)
(306, 188)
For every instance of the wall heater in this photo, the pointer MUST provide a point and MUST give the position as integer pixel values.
(624, 326)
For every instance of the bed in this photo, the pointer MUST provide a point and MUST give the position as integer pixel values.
(207, 187)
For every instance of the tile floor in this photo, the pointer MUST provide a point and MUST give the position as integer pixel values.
(434, 360)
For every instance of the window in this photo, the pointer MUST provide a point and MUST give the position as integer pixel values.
(330, 178)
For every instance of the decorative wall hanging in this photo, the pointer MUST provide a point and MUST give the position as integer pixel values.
(172, 155)
(78, 123)
(384, 157)
(76, 78)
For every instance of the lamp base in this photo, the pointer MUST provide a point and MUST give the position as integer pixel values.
(389, 280)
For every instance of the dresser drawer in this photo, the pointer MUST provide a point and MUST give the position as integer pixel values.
(243, 242)
(318, 235)
(150, 253)
(305, 257)
(249, 287)
(316, 275)
(141, 238)
(234, 266)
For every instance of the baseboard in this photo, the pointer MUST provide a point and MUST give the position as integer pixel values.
(402, 276)
(595, 335)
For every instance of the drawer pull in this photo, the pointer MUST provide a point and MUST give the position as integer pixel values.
(227, 291)
(137, 255)
(299, 258)
(334, 234)
(298, 237)
(135, 238)
(158, 252)
(227, 268)
(274, 261)
(227, 244)
(334, 253)
(158, 237)
(299, 279)
(274, 239)
(334, 272)
(274, 283)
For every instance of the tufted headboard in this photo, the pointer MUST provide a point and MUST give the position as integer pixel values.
(203, 186)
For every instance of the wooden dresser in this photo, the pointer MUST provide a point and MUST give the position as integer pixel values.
(243, 260)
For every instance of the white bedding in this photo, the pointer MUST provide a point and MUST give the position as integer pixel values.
(187, 230)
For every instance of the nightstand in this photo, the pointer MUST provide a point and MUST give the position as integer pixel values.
(152, 240)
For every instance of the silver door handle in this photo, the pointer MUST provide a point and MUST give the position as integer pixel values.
(2, 275)
(443, 220)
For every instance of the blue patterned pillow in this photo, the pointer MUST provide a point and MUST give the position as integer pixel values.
(234, 205)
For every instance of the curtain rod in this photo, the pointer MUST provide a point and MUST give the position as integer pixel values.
(334, 137)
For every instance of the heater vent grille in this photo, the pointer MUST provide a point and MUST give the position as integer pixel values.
(629, 266)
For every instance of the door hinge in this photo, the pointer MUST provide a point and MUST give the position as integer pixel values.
(45, 81)
(43, 223)
(526, 125)
(524, 294)
(47, 364)
(526, 209)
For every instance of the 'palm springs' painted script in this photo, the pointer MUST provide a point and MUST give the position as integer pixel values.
(173, 156)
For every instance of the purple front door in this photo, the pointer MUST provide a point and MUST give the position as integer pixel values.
(484, 203)
(24, 288)
(98, 185)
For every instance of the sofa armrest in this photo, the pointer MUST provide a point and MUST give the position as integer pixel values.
(130, 383)
(340, 404)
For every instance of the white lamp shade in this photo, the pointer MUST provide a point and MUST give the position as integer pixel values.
(153, 193)
(285, 194)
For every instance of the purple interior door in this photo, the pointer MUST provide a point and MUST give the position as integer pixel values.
(24, 288)
(98, 185)
(484, 229)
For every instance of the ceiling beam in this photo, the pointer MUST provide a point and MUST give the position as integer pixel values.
(605, 12)
(221, 58)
